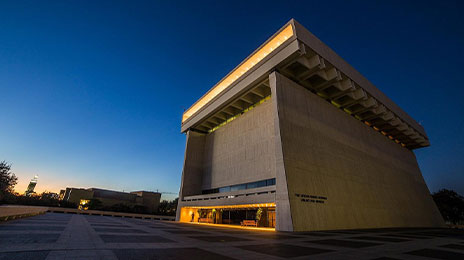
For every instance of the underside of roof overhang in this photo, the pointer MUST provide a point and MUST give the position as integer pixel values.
(310, 63)
(320, 77)
(257, 94)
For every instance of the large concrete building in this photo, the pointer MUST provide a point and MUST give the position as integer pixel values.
(295, 138)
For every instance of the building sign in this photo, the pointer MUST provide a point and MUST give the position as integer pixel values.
(311, 198)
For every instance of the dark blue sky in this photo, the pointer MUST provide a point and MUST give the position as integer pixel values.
(92, 92)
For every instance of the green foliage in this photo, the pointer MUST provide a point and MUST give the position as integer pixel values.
(95, 204)
(202, 213)
(140, 209)
(259, 214)
(67, 204)
(120, 207)
(450, 204)
(7, 180)
(214, 213)
(37, 200)
(168, 208)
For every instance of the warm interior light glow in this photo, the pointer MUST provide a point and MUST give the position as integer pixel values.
(83, 204)
(191, 214)
(233, 206)
(233, 226)
(249, 63)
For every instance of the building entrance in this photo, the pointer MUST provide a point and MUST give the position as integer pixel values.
(253, 215)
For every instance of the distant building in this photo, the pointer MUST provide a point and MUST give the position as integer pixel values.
(31, 186)
(149, 200)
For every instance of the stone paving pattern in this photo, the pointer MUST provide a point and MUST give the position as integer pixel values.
(70, 236)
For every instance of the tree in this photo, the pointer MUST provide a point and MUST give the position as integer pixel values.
(120, 207)
(7, 179)
(94, 204)
(450, 204)
(168, 207)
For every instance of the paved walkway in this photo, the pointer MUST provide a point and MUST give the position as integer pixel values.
(67, 236)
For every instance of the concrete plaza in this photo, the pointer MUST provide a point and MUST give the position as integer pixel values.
(70, 236)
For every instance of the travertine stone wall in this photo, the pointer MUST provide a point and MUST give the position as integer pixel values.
(193, 164)
(368, 180)
(242, 150)
(284, 220)
(193, 168)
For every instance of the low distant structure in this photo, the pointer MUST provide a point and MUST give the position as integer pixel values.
(147, 199)
(31, 186)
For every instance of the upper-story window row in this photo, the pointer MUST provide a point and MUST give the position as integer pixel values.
(243, 186)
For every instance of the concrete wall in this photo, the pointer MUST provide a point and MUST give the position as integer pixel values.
(76, 195)
(192, 172)
(193, 165)
(239, 152)
(368, 180)
(109, 213)
(107, 202)
(150, 200)
(242, 150)
(9, 212)
(284, 220)
(113, 195)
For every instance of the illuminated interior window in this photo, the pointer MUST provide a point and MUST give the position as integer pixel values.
(243, 186)
(258, 205)
(249, 63)
(84, 204)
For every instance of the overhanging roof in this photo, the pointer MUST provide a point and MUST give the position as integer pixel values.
(301, 56)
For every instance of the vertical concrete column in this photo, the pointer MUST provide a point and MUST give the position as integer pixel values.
(283, 213)
(192, 173)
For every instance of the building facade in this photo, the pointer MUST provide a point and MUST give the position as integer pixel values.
(297, 139)
(149, 200)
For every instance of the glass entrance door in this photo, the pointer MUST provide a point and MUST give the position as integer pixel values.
(271, 218)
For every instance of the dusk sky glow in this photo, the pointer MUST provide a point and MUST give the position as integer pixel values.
(92, 92)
